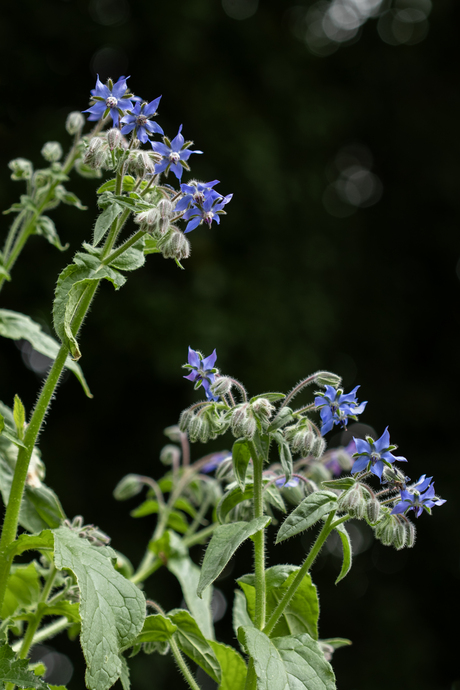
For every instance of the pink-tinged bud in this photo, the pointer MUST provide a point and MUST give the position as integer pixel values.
(113, 138)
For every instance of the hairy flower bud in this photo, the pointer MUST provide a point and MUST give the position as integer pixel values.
(400, 536)
(394, 477)
(22, 169)
(410, 533)
(388, 533)
(175, 245)
(52, 151)
(144, 163)
(194, 428)
(301, 437)
(221, 386)
(148, 220)
(318, 447)
(184, 420)
(128, 487)
(170, 455)
(114, 138)
(74, 123)
(165, 211)
(373, 510)
(327, 378)
(173, 433)
(239, 417)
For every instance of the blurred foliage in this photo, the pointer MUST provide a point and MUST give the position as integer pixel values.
(281, 288)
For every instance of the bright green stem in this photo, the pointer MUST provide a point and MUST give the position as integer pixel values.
(251, 678)
(12, 232)
(126, 245)
(182, 665)
(259, 540)
(308, 562)
(46, 632)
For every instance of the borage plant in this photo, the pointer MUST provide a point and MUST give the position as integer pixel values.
(80, 583)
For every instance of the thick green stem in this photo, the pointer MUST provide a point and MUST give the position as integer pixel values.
(182, 665)
(314, 551)
(12, 233)
(251, 678)
(259, 540)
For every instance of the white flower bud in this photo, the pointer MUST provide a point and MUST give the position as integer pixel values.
(52, 151)
(75, 122)
(113, 138)
(22, 169)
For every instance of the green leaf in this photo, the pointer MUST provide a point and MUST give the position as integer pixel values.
(284, 452)
(16, 671)
(148, 507)
(156, 628)
(283, 417)
(19, 415)
(112, 609)
(124, 675)
(182, 504)
(347, 552)
(224, 542)
(68, 197)
(45, 226)
(18, 326)
(188, 575)
(301, 614)
(287, 663)
(150, 246)
(131, 259)
(109, 186)
(132, 203)
(241, 454)
(22, 590)
(192, 642)
(232, 666)
(240, 613)
(169, 545)
(71, 287)
(40, 507)
(32, 542)
(231, 499)
(271, 397)
(337, 642)
(312, 509)
(342, 483)
(105, 220)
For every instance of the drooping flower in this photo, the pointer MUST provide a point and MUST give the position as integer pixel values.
(336, 407)
(202, 371)
(414, 499)
(139, 119)
(210, 210)
(374, 455)
(196, 194)
(111, 98)
(175, 154)
(215, 460)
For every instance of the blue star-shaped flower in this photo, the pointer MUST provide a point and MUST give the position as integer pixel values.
(175, 154)
(110, 98)
(336, 407)
(414, 499)
(196, 194)
(374, 454)
(210, 210)
(139, 119)
(202, 371)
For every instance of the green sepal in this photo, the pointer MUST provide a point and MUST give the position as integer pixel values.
(307, 513)
(12, 438)
(347, 552)
(241, 454)
(294, 662)
(192, 642)
(18, 326)
(224, 542)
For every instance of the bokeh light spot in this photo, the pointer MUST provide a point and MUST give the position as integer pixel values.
(240, 9)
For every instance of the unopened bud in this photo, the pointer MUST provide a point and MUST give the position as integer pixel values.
(301, 437)
(388, 533)
(74, 122)
(373, 510)
(318, 447)
(410, 533)
(221, 386)
(93, 146)
(173, 433)
(283, 417)
(52, 151)
(394, 477)
(113, 138)
(175, 245)
(22, 169)
(148, 220)
(347, 500)
(144, 163)
(249, 428)
(400, 536)
(318, 472)
(263, 409)
(165, 210)
(184, 420)
(170, 455)
(327, 378)
(239, 417)
(128, 487)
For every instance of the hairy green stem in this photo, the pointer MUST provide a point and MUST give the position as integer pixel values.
(126, 245)
(314, 551)
(46, 632)
(259, 540)
(182, 665)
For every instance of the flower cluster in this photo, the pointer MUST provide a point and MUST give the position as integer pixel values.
(336, 407)
(418, 497)
(201, 203)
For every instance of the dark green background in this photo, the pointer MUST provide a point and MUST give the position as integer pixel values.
(281, 288)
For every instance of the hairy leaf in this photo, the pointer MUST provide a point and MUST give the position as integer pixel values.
(156, 628)
(312, 509)
(188, 575)
(231, 499)
(22, 589)
(193, 643)
(287, 663)
(18, 326)
(232, 666)
(45, 226)
(105, 220)
(16, 671)
(112, 609)
(342, 483)
(347, 552)
(224, 542)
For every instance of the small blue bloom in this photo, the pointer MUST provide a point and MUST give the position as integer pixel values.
(374, 454)
(110, 98)
(283, 484)
(196, 194)
(336, 407)
(175, 154)
(202, 371)
(414, 499)
(215, 460)
(139, 119)
(210, 210)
